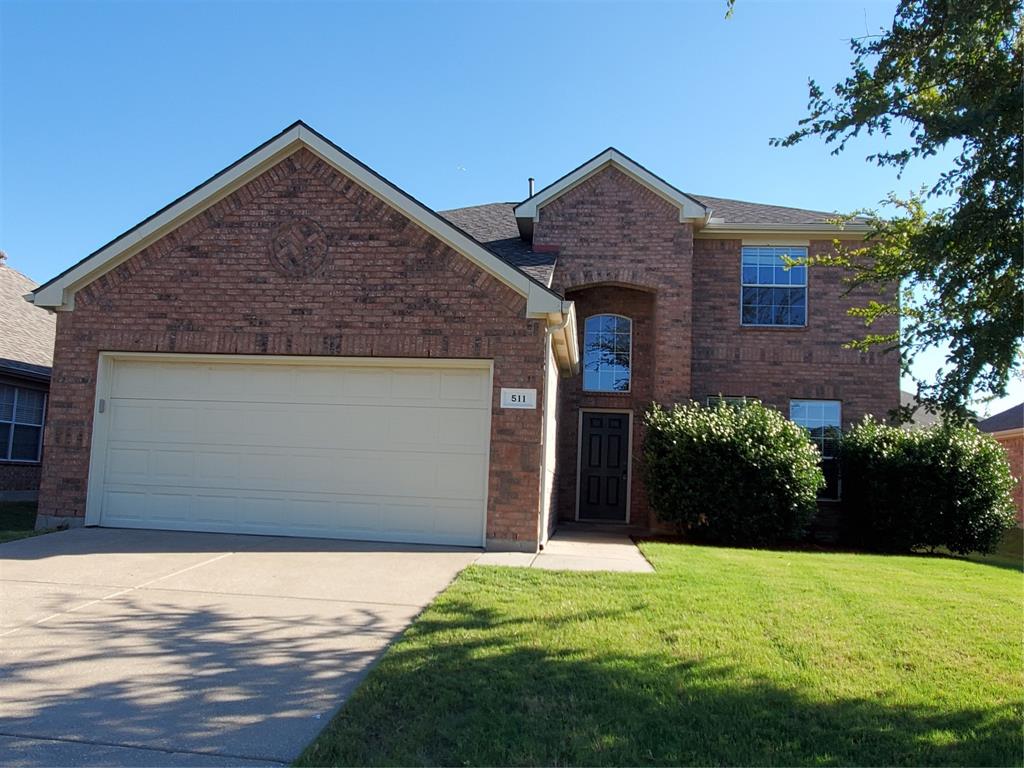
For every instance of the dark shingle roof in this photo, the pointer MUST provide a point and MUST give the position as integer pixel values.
(742, 212)
(922, 417)
(26, 338)
(1011, 418)
(494, 225)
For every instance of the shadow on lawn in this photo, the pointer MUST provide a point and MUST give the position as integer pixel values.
(479, 694)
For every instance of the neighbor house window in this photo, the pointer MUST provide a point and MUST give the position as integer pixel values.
(607, 348)
(21, 423)
(823, 419)
(771, 293)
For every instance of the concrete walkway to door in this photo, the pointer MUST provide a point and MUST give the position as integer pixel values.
(122, 647)
(578, 548)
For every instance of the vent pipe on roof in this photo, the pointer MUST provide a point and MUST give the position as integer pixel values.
(531, 180)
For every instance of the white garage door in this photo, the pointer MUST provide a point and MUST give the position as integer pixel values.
(393, 452)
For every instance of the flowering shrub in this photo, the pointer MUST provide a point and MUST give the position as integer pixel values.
(946, 486)
(726, 474)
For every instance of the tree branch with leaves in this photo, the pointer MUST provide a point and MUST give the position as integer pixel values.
(946, 75)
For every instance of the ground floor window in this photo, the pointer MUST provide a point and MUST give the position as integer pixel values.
(21, 423)
(823, 420)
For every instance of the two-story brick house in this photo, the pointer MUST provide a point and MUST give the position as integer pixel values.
(297, 346)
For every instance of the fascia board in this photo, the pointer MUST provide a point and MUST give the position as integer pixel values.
(807, 231)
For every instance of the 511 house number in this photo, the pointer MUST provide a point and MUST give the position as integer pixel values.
(518, 398)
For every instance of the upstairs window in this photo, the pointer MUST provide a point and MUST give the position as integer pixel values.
(823, 419)
(771, 293)
(21, 423)
(607, 349)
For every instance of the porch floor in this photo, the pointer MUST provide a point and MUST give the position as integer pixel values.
(578, 548)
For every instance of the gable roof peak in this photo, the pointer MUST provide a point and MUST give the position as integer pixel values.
(690, 209)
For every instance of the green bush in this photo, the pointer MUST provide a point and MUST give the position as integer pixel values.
(945, 486)
(731, 475)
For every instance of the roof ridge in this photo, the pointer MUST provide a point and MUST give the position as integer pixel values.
(19, 273)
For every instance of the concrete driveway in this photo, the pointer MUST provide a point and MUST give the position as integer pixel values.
(123, 647)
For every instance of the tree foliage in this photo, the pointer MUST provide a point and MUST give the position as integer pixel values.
(950, 73)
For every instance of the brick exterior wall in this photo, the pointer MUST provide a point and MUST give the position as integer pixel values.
(622, 249)
(386, 289)
(18, 477)
(778, 364)
(1014, 445)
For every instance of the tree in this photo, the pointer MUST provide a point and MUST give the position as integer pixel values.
(951, 72)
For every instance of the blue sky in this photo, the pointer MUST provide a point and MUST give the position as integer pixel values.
(108, 111)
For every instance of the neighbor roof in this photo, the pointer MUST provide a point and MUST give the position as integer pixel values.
(922, 417)
(26, 342)
(1011, 418)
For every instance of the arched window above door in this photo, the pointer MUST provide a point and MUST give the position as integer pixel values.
(607, 353)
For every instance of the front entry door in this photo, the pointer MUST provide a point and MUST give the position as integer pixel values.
(604, 467)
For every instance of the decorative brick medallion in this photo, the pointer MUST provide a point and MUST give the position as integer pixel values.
(298, 247)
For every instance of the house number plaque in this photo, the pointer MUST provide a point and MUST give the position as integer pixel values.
(518, 398)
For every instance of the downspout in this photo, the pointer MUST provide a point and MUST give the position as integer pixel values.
(543, 524)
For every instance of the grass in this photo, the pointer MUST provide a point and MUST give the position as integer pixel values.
(723, 656)
(17, 520)
(1009, 554)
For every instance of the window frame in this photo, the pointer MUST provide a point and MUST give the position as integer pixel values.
(805, 286)
(583, 372)
(824, 458)
(13, 422)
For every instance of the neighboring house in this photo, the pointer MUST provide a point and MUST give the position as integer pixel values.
(922, 417)
(1008, 428)
(297, 346)
(26, 354)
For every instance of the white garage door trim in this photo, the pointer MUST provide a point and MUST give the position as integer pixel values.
(105, 382)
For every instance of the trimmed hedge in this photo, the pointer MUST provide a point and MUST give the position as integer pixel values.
(945, 486)
(731, 475)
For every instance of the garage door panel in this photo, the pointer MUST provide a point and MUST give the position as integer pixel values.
(213, 508)
(466, 388)
(390, 454)
(126, 465)
(172, 466)
(463, 430)
(415, 385)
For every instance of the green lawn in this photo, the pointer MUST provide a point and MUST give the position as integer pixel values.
(17, 520)
(723, 656)
(1010, 553)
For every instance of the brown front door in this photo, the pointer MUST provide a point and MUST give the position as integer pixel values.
(604, 467)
